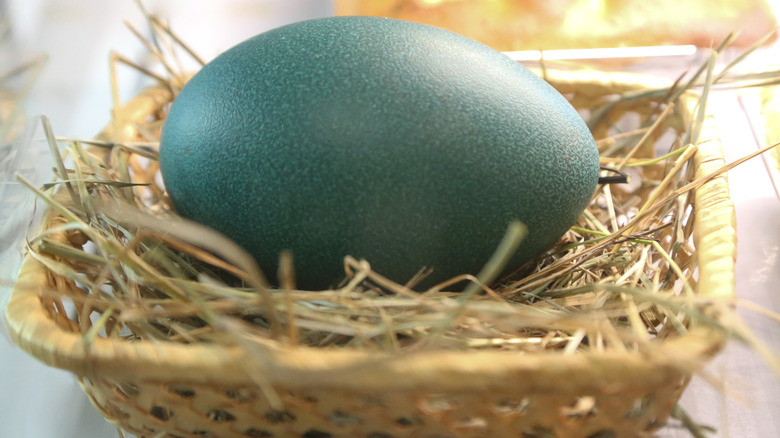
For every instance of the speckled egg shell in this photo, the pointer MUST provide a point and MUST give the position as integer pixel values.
(397, 142)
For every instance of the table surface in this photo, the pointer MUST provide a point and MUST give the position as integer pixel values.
(74, 92)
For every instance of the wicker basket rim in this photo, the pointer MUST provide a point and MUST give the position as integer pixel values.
(35, 332)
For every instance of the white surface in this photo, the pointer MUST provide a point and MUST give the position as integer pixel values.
(36, 401)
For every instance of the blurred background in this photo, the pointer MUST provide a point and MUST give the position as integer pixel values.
(64, 48)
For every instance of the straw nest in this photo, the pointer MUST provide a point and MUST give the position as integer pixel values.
(621, 277)
(125, 267)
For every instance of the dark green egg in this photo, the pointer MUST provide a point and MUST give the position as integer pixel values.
(393, 141)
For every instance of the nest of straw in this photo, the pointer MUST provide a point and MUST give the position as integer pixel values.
(123, 266)
(137, 267)
(621, 277)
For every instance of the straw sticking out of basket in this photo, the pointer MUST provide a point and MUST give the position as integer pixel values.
(629, 293)
(146, 258)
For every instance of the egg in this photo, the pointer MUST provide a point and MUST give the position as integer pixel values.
(391, 141)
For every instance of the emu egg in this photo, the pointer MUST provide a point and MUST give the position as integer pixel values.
(397, 142)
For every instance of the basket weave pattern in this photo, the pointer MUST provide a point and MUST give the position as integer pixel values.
(160, 389)
(219, 411)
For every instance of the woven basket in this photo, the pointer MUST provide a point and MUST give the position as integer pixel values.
(166, 389)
